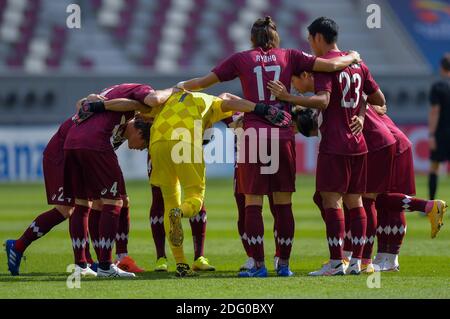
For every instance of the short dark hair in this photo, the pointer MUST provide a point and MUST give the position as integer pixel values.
(264, 34)
(144, 128)
(304, 119)
(326, 27)
(445, 62)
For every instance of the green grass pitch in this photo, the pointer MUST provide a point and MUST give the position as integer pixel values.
(425, 263)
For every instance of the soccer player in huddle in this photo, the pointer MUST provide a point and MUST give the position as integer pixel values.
(392, 206)
(342, 154)
(387, 215)
(53, 169)
(255, 67)
(198, 227)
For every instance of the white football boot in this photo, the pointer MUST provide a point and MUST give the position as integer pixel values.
(113, 271)
(249, 264)
(354, 267)
(391, 263)
(347, 255)
(85, 272)
(378, 262)
(368, 268)
(331, 268)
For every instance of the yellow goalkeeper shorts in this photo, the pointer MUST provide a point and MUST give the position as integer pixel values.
(167, 170)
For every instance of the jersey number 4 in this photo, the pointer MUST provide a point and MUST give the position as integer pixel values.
(260, 82)
(356, 80)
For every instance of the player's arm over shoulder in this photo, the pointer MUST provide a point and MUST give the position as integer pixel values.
(307, 62)
(159, 97)
(125, 105)
(337, 63)
(198, 84)
(226, 70)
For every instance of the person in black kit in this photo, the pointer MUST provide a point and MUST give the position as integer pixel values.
(439, 124)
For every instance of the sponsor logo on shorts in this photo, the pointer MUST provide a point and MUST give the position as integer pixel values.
(103, 192)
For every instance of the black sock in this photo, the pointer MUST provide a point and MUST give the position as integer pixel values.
(104, 266)
(432, 185)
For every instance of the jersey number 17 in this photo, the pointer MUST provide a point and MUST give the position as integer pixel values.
(260, 82)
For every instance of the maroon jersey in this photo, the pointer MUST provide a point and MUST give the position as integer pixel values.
(403, 143)
(104, 131)
(55, 147)
(255, 68)
(376, 133)
(346, 88)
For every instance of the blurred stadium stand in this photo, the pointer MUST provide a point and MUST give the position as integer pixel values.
(45, 67)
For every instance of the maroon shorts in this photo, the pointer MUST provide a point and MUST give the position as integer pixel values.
(380, 165)
(54, 182)
(403, 179)
(93, 174)
(341, 173)
(251, 181)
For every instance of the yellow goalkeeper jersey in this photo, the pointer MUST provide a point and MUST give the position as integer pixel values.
(184, 111)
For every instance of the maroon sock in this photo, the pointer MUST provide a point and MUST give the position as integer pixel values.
(371, 230)
(94, 221)
(123, 231)
(157, 222)
(87, 253)
(397, 224)
(38, 228)
(285, 230)
(240, 202)
(348, 245)
(254, 227)
(399, 202)
(358, 226)
(382, 228)
(109, 223)
(335, 225)
(274, 212)
(78, 228)
(198, 227)
(317, 198)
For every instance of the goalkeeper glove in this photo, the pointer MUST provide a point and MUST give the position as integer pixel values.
(88, 109)
(273, 114)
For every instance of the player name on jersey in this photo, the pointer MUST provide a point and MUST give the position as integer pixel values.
(266, 58)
